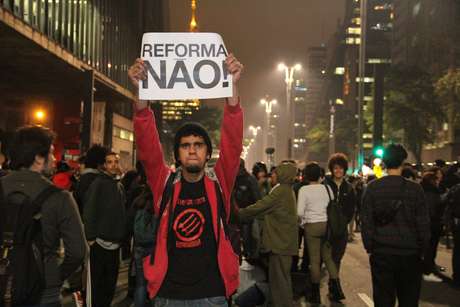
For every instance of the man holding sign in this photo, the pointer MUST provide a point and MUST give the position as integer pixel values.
(193, 261)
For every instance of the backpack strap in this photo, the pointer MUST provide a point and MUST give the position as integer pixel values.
(43, 196)
(168, 194)
(328, 192)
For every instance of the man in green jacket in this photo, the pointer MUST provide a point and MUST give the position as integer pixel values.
(277, 210)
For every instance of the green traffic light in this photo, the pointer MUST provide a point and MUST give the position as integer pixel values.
(378, 152)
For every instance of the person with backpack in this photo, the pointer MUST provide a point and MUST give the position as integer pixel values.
(396, 232)
(345, 196)
(140, 226)
(104, 218)
(246, 192)
(34, 217)
(279, 232)
(193, 261)
(312, 205)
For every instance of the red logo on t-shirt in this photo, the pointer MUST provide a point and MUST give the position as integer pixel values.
(188, 227)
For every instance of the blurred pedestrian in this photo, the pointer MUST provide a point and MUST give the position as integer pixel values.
(104, 208)
(396, 232)
(430, 184)
(27, 198)
(312, 206)
(279, 235)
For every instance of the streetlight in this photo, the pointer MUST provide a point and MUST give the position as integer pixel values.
(39, 116)
(254, 130)
(268, 110)
(289, 79)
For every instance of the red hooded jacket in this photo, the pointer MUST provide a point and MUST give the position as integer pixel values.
(151, 154)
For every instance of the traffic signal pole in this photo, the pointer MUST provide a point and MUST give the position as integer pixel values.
(362, 74)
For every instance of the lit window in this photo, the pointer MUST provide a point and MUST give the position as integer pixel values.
(366, 79)
(353, 41)
(339, 101)
(339, 70)
(354, 31)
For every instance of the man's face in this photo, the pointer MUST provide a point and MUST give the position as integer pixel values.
(438, 177)
(261, 176)
(193, 153)
(111, 164)
(338, 172)
(45, 165)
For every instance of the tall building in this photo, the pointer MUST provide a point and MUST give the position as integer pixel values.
(342, 74)
(301, 117)
(312, 99)
(427, 35)
(64, 65)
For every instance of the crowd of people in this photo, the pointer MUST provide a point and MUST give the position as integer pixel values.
(189, 230)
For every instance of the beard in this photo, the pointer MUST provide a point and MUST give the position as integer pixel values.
(193, 169)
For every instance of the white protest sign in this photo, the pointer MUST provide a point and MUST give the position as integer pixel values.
(184, 66)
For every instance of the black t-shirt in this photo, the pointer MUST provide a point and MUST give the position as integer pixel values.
(193, 272)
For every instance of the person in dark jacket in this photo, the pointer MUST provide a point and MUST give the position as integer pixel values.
(104, 209)
(31, 155)
(94, 163)
(260, 172)
(140, 203)
(246, 192)
(346, 197)
(430, 184)
(396, 232)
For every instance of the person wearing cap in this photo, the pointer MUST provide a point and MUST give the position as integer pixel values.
(193, 262)
(279, 232)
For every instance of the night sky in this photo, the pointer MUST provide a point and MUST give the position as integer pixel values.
(262, 33)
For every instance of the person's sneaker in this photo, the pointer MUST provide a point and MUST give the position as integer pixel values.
(431, 278)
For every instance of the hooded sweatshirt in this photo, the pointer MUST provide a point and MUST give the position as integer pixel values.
(279, 214)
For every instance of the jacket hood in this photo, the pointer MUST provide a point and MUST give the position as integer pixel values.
(286, 173)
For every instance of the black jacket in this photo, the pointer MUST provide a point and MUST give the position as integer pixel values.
(60, 220)
(435, 205)
(346, 197)
(104, 216)
(86, 179)
(409, 232)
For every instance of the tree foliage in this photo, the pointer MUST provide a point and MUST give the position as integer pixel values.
(447, 88)
(410, 108)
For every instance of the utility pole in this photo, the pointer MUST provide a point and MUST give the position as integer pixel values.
(362, 74)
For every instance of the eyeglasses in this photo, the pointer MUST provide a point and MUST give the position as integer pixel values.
(196, 146)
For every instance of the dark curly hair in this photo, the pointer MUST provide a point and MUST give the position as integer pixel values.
(339, 159)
